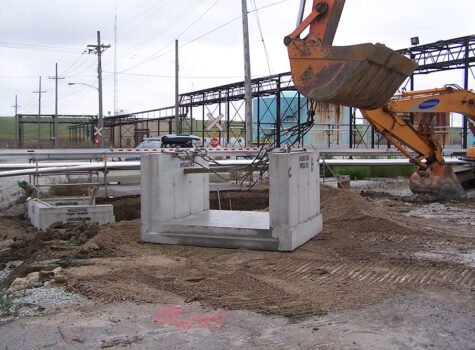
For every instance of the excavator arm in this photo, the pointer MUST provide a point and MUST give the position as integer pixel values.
(431, 175)
(362, 76)
(366, 76)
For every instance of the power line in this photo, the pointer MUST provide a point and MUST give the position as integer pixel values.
(76, 64)
(180, 16)
(34, 47)
(262, 37)
(172, 76)
(148, 13)
(159, 52)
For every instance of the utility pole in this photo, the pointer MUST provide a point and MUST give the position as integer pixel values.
(177, 122)
(55, 128)
(98, 49)
(39, 92)
(116, 86)
(16, 120)
(247, 76)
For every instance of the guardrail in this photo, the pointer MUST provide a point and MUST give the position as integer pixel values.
(97, 153)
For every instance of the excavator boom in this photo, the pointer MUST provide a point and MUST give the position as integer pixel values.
(431, 176)
(363, 76)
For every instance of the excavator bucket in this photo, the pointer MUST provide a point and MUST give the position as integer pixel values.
(362, 76)
(437, 181)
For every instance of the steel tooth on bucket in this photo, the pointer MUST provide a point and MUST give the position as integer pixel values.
(362, 76)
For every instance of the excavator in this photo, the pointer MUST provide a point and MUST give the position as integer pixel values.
(366, 76)
(432, 176)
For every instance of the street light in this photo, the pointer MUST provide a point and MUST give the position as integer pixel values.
(101, 121)
(91, 86)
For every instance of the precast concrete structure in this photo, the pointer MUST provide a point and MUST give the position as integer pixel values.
(175, 205)
(49, 212)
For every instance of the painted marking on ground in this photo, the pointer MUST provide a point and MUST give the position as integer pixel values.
(184, 321)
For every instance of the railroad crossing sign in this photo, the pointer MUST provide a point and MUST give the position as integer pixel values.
(215, 122)
(214, 142)
(97, 131)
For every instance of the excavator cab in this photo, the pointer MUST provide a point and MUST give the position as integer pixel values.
(361, 76)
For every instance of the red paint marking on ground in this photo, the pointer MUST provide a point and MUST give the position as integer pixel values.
(169, 310)
(191, 321)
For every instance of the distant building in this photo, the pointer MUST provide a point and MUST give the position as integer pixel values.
(331, 121)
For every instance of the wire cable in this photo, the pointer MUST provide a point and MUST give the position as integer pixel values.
(256, 12)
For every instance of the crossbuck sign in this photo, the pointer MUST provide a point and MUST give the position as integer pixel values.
(97, 131)
(215, 122)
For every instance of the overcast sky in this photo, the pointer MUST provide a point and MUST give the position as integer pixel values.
(37, 34)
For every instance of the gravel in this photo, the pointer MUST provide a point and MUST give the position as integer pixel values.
(47, 297)
(32, 302)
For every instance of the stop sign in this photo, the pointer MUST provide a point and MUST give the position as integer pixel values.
(214, 142)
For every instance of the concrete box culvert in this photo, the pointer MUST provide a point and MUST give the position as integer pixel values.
(44, 214)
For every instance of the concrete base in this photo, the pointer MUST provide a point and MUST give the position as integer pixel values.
(218, 228)
(44, 214)
(176, 211)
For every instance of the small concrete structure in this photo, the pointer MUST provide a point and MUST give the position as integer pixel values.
(175, 205)
(45, 213)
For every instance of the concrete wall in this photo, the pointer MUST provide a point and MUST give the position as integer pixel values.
(294, 198)
(167, 193)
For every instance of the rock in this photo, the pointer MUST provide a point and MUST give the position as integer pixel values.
(91, 246)
(46, 275)
(57, 270)
(61, 278)
(19, 281)
(33, 277)
(6, 244)
(15, 289)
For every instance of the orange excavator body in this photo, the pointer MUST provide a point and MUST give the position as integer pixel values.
(362, 76)
(432, 176)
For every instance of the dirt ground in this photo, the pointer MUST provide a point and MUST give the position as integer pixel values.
(374, 248)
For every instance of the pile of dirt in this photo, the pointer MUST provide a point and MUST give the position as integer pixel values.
(239, 200)
(125, 207)
(346, 213)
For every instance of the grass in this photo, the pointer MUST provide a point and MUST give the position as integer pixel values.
(7, 129)
(7, 306)
(365, 171)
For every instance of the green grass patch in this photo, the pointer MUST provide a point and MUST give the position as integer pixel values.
(7, 129)
(7, 306)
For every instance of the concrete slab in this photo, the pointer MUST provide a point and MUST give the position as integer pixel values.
(44, 214)
(227, 219)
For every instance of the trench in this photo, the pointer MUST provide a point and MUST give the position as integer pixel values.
(128, 207)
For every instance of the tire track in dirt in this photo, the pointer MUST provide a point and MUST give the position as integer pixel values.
(303, 269)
